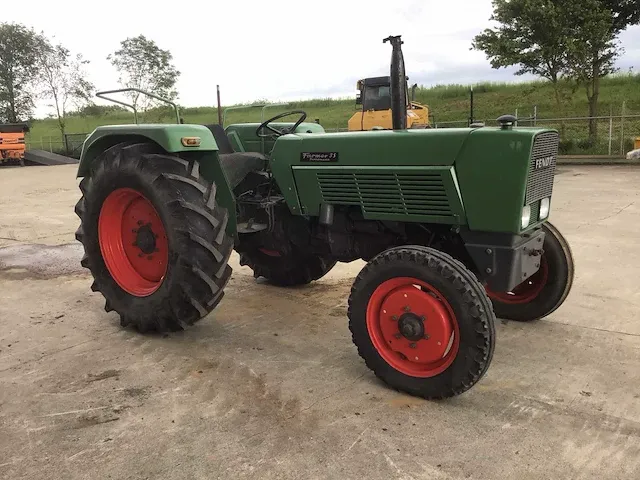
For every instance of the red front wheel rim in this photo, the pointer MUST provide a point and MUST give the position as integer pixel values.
(528, 290)
(133, 242)
(413, 327)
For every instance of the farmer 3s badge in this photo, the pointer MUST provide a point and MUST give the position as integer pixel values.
(319, 157)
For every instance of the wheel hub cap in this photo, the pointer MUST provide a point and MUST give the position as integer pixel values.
(145, 239)
(411, 327)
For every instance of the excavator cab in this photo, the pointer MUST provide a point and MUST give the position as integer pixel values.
(374, 102)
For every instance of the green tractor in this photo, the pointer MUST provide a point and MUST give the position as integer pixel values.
(451, 222)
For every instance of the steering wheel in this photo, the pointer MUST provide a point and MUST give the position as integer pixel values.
(265, 124)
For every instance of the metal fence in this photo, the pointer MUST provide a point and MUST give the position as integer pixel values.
(70, 145)
(49, 143)
(612, 135)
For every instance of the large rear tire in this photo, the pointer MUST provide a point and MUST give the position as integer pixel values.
(544, 292)
(154, 237)
(422, 322)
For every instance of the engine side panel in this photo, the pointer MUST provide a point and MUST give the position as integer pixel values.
(360, 150)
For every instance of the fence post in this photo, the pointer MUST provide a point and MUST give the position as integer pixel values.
(50, 145)
(610, 129)
(535, 115)
(624, 107)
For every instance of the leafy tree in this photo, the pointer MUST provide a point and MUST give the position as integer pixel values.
(143, 65)
(63, 81)
(593, 45)
(556, 38)
(18, 71)
(530, 35)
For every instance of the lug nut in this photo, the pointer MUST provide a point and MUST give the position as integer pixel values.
(426, 337)
(413, 345)
(397, 336)
(407, 308)
(488, 270)
(489, 251)
(422, 318)
(394, 318)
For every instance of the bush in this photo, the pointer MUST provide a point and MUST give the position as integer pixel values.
(566, 147)
(586, 144)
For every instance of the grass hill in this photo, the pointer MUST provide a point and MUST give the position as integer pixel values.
(448, 103)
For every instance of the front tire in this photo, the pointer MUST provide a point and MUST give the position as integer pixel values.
(546, 290)
(422, 322)
(154, 237)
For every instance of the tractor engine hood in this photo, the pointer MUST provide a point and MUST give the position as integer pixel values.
(485, 173)
(374, 148)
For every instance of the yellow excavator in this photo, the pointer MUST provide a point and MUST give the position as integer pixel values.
(374, 97)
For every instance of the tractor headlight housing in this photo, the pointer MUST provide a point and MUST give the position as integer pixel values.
(545, 204)
(526, 216)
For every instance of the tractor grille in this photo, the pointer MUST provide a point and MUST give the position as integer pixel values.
(541, 174)
(387, 192)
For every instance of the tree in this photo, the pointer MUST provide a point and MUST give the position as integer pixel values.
(18, 71)
(63, 80)
(530, 35)
(143, 65)
(593, 45)
(555, 38)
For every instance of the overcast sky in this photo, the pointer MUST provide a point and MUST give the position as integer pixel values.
(280, 49)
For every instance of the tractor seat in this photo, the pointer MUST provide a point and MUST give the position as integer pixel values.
(236, 165)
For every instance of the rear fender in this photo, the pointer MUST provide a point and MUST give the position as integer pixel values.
(169, 138)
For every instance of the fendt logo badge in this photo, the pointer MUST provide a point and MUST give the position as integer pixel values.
(544, 162)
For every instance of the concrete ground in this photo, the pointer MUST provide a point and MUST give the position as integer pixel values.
(270, 385)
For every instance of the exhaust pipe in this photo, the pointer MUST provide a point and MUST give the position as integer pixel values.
(398, 84)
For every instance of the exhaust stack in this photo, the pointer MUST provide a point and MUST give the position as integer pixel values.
(398, 84)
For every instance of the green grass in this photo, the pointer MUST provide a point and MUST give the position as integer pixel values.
(448, 103)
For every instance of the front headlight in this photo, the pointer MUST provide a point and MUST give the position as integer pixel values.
(544, 208)
(526, 216)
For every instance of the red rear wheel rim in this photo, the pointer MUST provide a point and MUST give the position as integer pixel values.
(528, 290)
(133, 242)
(395, 312)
